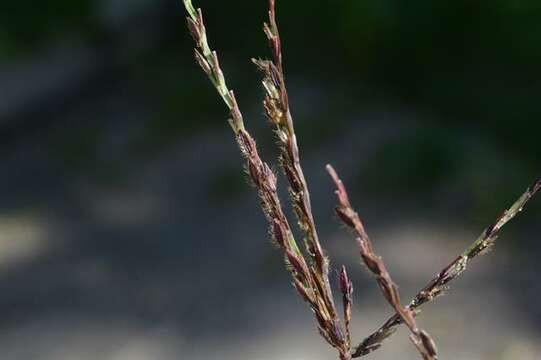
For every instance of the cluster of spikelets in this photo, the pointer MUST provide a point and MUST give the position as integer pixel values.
(309, 268)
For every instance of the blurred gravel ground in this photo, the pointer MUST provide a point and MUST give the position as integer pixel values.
(156, 267)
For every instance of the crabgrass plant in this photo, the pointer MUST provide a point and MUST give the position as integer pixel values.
(308, 264)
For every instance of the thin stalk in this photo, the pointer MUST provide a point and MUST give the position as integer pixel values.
(258, 171)
(311, 282)
(277, 109)
(420, 338)
(439, 283)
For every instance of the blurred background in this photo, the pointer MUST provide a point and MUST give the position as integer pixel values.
(127, 229)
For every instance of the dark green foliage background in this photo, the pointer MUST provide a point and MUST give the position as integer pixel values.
(469, 71)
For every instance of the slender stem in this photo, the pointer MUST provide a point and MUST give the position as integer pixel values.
(437, 285)
(277, 109)
(311, 282)
(259, 171)
(420, 338)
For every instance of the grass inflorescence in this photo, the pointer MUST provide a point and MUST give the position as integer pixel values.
(309, 265)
